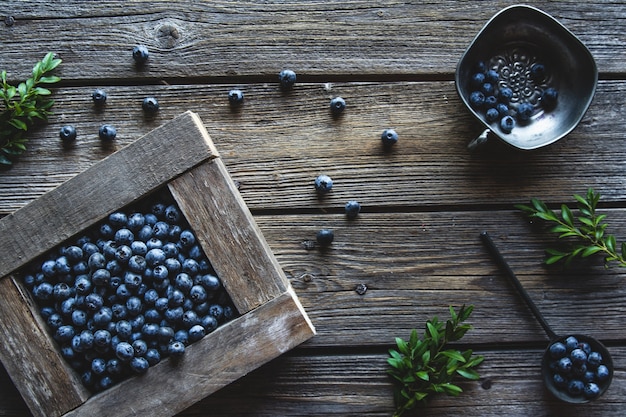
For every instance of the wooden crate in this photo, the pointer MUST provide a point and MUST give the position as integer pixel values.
(181, 156)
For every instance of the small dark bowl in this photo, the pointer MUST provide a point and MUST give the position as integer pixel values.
(515, 39)
(561, 394)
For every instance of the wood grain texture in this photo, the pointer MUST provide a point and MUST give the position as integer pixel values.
(223, 356)
(276, 144)
(258, 38)
(229, 235)
(32, 358)
(116, 181)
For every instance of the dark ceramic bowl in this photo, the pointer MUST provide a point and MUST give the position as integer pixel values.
(562, 393)
(512, 42)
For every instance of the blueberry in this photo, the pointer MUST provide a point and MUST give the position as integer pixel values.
(64, 334)
(492, 76)
(575, 387)
(216, 311)
(196, 332)
(235, 97)
(337, 106)
(82, 285)
(287, 79)
(525, 112)
(487, 89)
(559, 380)
(477, 79)
(491, 102)
(594, 359)
(55, 321)
(140, 54)
(123, 254)
(538, 72)
(480, 66)
(99, 97)
(102, 338)
(140, 346)
(165, 334)
(549, 98)
(353, 208)
(571, 343)
(137, 264)
(107, 133)
(325, 237)
(134, 306)
(210, 282)
(602, 373)
(187, 239)
(190, 319)
(578, 356)
(176, 349)
(209, 323)
(503, 109)
(565, 365)
(98, 366)
(150, 105)
(477, 99)
(491, 115)
(67, 134)
(176, 298)
(153, 356)
(155, 257)
(139, 365)
(197, 294)
(591, 390)
(323, 184)
(389, 137)
(586, 347)
(505, 95)
(557, 350)
(507, 123)
(79, 318)
(93, 302)
(174, 314)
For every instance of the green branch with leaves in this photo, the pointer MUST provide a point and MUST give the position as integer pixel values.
(423, 367)
(21, 106)
(587, 230)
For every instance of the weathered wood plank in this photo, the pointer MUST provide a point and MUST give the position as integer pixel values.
(116, 181)
(189, 39)
(33, 358)
(276, 145)
(417, 264)
(229, 235)
(348, 383)
(226, 354)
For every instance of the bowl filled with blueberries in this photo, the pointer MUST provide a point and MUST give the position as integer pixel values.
(526, 78)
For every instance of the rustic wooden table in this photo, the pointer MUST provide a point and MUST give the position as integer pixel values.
(416, 243)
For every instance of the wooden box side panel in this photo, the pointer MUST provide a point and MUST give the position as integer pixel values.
(32, 359)
(223, 356)
(114, 182)
(229, 235)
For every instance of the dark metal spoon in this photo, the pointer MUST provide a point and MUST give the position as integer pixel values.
(546, 370)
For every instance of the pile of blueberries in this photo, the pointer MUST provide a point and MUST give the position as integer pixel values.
(131, 291)
(576, 369)
(496, 102)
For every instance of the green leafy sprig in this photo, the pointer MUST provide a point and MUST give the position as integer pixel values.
(422, 367)
(20, 106)
(588, 229)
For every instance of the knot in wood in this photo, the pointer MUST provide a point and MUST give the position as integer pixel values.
(168, 34)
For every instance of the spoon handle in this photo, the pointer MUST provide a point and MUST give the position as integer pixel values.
(516, 283)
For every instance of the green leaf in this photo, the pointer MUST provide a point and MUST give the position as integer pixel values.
(451, 389)
(50, 79)
(468, 373)
(591, 250)
(42, 91)
(566, 214)
(454, 354)
(17, 123)
(432, 331)
(423, 375)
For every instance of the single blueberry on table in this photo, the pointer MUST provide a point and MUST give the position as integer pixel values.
(337, 106)
(477, 99)
(389, 137)
(99, 97)
(150, 105)
(67, 134)
(353, 208)
(140, 54)
(235, 97)
(287, 79)
(325, 237)
(323, 184)
(107, 133)
(507, 123)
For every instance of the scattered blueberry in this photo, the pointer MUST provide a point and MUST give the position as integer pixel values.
(150, 105)
(492, 77)
(525, 112)
(353, 208)
(477, 80)
(491, 115)
(337, 105)
(99, 97)
(389, 137)
(491, 102)
(140, 54)
(235, 97)
(107, 133)
(505, 95)
(67, 134)
(323, 184)
(549, 98)
(325, 237)
(287, 79)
